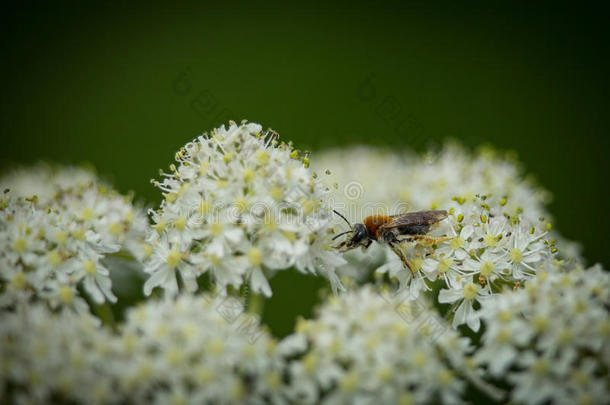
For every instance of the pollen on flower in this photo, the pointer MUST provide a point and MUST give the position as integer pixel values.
(87, 214)
(20, 245)
(445, 377)
(255, 256)
(470, 291)
(249, 175)
(349, 382)
(262, 156)
(490, 240)
(457, 243)
(242, 205)
(487, 268)
(540, 367)
(204, 207)
(90, 267)
(277, 193)
(66, 294)
(19, 281)
(180, 222)
(516, 256)
(216, 228)
(540, 323)
(444, 264)
(115, 228)
(173, 258)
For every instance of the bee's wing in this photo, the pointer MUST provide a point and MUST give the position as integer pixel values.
(415, 218)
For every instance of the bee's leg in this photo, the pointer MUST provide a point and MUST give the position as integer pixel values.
(366, 245)
(426, 240)
(339, 246)
(402, 257)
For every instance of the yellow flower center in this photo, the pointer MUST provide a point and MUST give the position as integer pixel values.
(516, 256)
(180, 223)
(255, 256)
(470, 291)
(173, 258)
(349, 382)
(147, 250)
(203, 168)
(204, 207)
(505, 315)
(20, 245)
(503, 335)
(291, 236)
(310, 363)
(214, 259)
(262, 156)
(445, 377)
(444, 265)
(249, 175)
(406, 399)
(115, 229)
(87, 214)
(276, 193)
(89, 266)
(241, 203)
(79, 234)
(66, 294)
(19, 281)
(457, 243)
(490, 240)
(160, 226)
(540, 367)
(487, 268)
(216, 228)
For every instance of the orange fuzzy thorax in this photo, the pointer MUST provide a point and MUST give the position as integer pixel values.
(373, 223)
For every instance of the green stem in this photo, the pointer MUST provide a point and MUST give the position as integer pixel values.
(104, 312)
(256, 303)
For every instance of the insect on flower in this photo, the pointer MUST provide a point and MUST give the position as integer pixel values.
(393, 230)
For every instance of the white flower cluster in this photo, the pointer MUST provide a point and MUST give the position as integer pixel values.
(488, 252)
(45, 180)
(551, 340)
(49, 248)
(374, 181)
(54, 358)
(238, 206)
(199, 350)
(366, 347)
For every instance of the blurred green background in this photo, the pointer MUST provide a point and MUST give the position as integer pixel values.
(123, 86)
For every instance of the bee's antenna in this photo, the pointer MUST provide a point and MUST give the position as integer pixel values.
(345, 219)
(341, 234)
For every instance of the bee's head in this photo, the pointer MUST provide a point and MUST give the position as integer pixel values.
(359, 234)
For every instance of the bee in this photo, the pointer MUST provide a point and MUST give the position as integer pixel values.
(393, 230)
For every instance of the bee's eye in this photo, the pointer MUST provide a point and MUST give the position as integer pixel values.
(359, 233)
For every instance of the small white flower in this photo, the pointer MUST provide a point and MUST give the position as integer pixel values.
(466, 296)
(50, 246)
